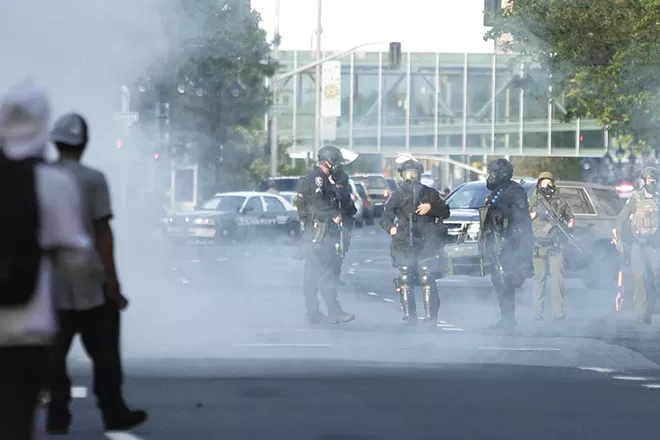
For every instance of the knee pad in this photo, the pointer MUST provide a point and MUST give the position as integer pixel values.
(404, 275)
(425, 276)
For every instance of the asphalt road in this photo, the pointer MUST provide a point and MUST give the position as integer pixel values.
(215, 346)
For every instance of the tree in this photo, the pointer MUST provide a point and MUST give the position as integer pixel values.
(602, 55)
(214, 76)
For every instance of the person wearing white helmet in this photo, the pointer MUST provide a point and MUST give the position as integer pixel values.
(43, 229)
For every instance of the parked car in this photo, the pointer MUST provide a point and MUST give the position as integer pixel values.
(235, 216)
(378, 189)
(367, 203)
(391, 183)
(594, 206)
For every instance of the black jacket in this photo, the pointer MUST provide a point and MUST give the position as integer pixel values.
(428, 230)
(511, 212)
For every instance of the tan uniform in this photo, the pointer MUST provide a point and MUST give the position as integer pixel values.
(548, 255)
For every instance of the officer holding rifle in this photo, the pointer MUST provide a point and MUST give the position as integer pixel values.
(550, 217)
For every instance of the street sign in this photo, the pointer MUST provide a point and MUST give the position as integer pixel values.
(127, 117)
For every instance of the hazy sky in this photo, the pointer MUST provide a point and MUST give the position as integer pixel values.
(420, 25)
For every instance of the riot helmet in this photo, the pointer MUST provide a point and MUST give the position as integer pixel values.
(411, 171)
(331, 157)
(545, 184)
(650, 177)
(70, 131)
(499, 171)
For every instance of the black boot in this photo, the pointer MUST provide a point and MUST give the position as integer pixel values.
(123, 419)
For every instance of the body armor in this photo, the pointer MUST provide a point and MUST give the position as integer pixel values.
(645, 219)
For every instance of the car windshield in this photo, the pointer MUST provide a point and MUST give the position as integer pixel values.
(468, 197)
(225, 203)
(288, 197)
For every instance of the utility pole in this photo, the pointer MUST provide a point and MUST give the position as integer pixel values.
(317, 129)
(274, 150)
(123, 170)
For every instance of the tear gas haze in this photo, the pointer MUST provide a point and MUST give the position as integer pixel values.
(82, 52)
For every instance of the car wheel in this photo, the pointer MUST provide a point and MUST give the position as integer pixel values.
(369, 221)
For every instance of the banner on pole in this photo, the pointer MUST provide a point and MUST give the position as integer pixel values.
(331, 89)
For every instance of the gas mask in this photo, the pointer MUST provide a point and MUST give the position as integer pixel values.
(651, 186)
(547, 191)
(493, 179)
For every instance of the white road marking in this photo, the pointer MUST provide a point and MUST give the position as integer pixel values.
(355, 264)
(193, 261)
(442, 322)
(351, 271)
(632, 378)
(122, 436)
(598, 370)
(368, 261)
(222, 259)
(388, 300)
(652, 386)
(79, 392)
(174, 269)
(453, 329)
(183, 281)
(372, 232)
(519, 348)
(283, 345)
(372, 294)
(444, 325)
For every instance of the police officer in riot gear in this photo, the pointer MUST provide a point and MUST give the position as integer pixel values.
(506, 237)
(348, 211)
(641, 213)
(413, 217)
(321, 237)
(546, 209)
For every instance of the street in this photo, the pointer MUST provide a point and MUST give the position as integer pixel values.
(215, 346)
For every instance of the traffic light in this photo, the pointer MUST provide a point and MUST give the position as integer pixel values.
(491, 9)
(394, 56)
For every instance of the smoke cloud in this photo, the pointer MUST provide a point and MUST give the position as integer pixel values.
(82, 52)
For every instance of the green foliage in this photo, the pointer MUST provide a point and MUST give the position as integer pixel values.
(564, 168)
(603, 56)
(220, 55)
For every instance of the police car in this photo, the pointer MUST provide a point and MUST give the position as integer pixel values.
(235, 216)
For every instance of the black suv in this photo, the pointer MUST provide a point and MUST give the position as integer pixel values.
(594, 206)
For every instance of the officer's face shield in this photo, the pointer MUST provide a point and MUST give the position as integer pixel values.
(410, 175)
(494, 177)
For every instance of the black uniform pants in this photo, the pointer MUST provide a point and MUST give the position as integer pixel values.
(23, 371)
(506, 296)
(320, 274)
(99, 330)
(347, 244)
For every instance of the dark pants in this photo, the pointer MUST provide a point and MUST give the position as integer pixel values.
(99, 331)
(320, 274)
(22, 376)
(506, 296)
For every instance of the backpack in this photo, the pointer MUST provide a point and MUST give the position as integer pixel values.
(20, 252)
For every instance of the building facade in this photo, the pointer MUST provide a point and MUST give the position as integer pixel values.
(433, 104)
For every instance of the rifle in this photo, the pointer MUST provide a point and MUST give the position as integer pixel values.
(341, 246)
(495, 247)
(559, 223)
